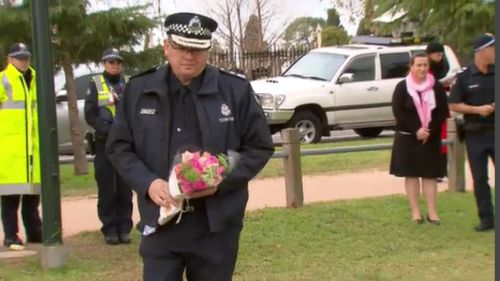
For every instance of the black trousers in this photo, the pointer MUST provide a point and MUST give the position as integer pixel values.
(114, 201)
(480, 146)
(190, 248)
(29, 213)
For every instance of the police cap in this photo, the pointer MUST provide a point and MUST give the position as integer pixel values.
(111, 54)
(190, 30)
(19, 51)
(483, 41)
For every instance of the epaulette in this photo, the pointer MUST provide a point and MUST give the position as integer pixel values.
(235, 74)
(463, 69)
(151, 70)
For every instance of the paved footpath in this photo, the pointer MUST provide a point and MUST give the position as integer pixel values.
(80, 214)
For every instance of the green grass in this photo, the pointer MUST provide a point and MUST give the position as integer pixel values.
(72, 185)
(358, 240)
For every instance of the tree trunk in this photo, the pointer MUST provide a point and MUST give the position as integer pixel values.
(75, 127)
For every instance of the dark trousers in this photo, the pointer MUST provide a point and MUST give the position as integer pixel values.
(29, 212)
(114, 201)
(480, 146)
(189, 247)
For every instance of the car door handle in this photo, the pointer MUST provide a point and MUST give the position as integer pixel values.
(372, 88)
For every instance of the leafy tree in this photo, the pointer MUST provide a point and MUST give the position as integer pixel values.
(301, 31)
(334, 35)
(332, 18)
(252, 41)
(78, 37)
(454, 22)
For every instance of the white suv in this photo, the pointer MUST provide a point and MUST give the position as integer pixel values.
(341, 87)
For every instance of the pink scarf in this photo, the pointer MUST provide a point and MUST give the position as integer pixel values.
(426, 101)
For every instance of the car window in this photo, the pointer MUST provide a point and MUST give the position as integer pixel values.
(82, 84)
(316, 65)
(395, 65)
(362, 69)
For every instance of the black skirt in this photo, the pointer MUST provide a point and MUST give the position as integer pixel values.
(411, 158)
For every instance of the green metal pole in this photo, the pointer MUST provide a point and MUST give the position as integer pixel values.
(53, 254)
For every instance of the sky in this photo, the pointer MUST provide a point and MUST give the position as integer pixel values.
(291, 8)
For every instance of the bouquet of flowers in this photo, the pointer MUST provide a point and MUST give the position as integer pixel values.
(195, 172)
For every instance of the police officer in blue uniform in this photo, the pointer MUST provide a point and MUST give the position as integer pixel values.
(474, 95)
(114, 201)
(189, 105)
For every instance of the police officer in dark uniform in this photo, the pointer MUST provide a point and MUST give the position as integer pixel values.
(189, 105)
(474, 95)
(114, 202)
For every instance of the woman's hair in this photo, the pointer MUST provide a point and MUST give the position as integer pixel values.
(417, 55)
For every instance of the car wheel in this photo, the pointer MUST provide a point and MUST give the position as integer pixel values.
(368, 132)
(308, 125)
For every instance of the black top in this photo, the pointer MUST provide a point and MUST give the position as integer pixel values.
(475, 88)
(229, 119)
(439, 69)
(185, 129)
(406, 115)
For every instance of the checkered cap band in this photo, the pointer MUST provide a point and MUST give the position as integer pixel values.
(112, 57)
(185, 29)
(21, 53)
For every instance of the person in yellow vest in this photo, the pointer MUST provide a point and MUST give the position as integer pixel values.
(114, 201)
(20, 160)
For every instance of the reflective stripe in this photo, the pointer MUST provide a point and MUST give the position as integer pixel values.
(20, 188)
(7, 86)
(14, 105)
(10, 104)
(103, 93)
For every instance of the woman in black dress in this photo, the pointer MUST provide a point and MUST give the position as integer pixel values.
(419, 105)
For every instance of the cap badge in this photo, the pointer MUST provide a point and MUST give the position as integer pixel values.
(194, 24)
(22, 46)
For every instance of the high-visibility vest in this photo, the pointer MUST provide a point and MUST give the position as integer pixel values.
(105, 96)
(19, 146)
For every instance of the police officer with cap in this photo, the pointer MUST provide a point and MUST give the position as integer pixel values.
(473, 94)
(114, 201)
(189, 105)
(19, 147)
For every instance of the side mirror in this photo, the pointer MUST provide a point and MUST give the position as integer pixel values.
(346, 78)
(61, 98)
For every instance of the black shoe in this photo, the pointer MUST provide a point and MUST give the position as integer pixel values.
(484, 226)
(112, 239)
(7, 242)
(434, 222)
(125, 238)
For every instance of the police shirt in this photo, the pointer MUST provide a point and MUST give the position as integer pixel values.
(475, 88)
(185, 133)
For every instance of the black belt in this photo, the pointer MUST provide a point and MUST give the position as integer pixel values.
(194, 205)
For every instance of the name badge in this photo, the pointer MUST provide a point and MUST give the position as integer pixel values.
(148, 111)
(473, 86)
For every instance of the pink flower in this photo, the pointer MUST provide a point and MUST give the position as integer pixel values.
(199, 171)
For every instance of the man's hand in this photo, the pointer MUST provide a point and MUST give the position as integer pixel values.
(158, 192)
(485, 110)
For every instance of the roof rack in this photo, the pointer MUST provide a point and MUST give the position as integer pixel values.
(391, 41)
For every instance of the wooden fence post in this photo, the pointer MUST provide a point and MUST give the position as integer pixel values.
(456, 159)
(292, 168)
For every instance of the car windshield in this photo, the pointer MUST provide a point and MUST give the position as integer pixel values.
(316, 65)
